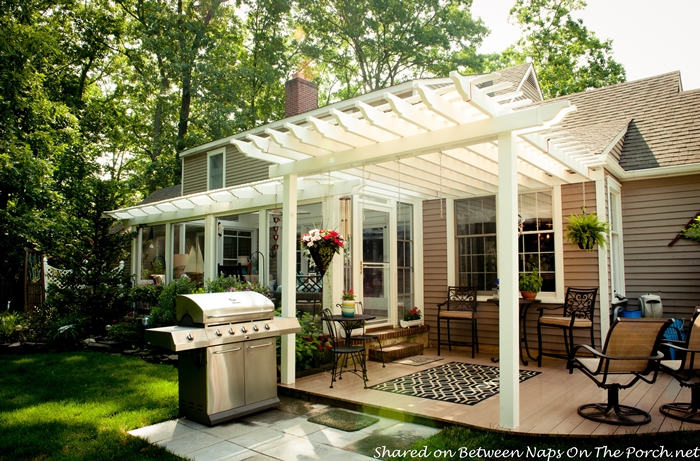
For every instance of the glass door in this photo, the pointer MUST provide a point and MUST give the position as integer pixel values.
(376, 246)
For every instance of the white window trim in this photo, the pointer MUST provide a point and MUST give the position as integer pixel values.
(616, 280)
(223, 173)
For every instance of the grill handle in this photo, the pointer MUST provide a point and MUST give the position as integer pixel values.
(239, 313)
(260, 345)
(228, 350)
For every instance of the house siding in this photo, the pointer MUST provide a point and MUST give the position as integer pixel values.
(653, 212)
(434, 260)
(239, 170)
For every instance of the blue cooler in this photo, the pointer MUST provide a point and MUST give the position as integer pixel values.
(631, 314)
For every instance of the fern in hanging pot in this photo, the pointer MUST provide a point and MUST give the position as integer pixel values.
(586, 230)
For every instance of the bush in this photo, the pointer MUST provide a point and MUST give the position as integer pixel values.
(145, 295)
(130, 331)
(311, 344)
(163, 314)
(12, 327)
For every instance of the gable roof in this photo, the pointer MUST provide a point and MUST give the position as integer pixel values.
(662, 120)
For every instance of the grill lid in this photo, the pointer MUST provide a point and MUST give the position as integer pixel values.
(232, 306)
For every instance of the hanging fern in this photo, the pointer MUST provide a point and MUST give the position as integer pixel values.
(585, 230)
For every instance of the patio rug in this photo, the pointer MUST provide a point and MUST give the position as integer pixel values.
(455, 382)
(416, 360)
(343, 420)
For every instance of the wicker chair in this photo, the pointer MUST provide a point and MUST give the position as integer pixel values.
(460, 305)
(342, 352)
(577, 313)
(687, 372)
(630, 354)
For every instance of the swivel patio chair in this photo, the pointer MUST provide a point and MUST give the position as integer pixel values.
(630, 354)
(342, 352)
(577, 313)
(461, 305)
(687, 371)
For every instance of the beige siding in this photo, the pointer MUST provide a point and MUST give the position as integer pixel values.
(434, 261)
(241, 169)
(194, 173)
(653, 212)
(616, 151)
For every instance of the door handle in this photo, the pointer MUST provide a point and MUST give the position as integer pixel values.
(227, 351)
(259, 345)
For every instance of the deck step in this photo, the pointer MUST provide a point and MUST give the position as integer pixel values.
(395, 352)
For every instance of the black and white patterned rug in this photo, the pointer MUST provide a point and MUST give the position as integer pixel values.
(455, 382)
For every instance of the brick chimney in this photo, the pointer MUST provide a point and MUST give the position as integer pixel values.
(301, 95)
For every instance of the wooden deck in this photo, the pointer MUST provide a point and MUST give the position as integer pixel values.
(548, 402)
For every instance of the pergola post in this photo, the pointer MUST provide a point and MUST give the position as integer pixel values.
(289, 250)
(507, 244)
(210, 259)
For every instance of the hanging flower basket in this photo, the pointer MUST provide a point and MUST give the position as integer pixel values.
(322, 245)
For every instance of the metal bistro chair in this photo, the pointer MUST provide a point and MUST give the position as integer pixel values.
(630, 354)
(577, 313)
(343, 352)
(461, 304)
(687, 372)
(367, 337)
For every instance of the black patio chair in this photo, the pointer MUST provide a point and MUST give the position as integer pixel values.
(630, 354)
(577, 313)
(687, 371)
(342, 353)
(460, 305)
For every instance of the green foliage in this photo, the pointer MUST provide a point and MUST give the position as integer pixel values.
(692, 232)
(567, 56)
(164, 313)
(129, 330)
(311, 344)
(12, 327)
(80, 405)
(366, 45)
(531, 281)
(585, 230)
(146, 295)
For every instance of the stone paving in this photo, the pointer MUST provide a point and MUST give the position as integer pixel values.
(282, 434)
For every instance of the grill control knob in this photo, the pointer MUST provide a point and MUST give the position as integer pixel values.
(189, 337)
(267, 327)
(230, 331)
(244, 329)
(217, 333)
(255, 328)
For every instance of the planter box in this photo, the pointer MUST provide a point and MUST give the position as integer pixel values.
(410, 323)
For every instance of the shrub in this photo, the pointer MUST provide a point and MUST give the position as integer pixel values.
(163, 314)
(129, 330)
(311, 344)
(12, 327)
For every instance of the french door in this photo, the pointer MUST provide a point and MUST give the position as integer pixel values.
(376, 253)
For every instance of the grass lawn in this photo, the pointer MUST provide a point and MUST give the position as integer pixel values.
(456, 442)
(79, 405)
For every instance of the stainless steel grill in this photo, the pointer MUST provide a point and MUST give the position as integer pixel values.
(226, 353)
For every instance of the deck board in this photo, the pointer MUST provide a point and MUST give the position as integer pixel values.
(548, 402)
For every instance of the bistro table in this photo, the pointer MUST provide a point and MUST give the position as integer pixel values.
(350, 323)
(524, 306)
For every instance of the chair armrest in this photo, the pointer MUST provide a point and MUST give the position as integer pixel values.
(680, 348)
(441, 305)
(596, 353)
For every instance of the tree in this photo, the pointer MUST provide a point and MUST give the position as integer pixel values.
(364, 45)
(567, 56)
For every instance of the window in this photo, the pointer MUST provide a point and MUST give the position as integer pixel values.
(476, 240)
(215, 176)
(405, 255)
(617, 274)
(236, 243)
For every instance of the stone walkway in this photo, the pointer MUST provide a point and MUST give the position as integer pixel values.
(283, 434)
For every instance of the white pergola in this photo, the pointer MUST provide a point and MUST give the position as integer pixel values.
(425, 139)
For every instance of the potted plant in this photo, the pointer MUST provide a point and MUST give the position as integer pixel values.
(585, 230)
(530, 284)
(412, 318)
(348, 306)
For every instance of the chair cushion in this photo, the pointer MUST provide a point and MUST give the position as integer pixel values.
(565, 322)
(456, 315)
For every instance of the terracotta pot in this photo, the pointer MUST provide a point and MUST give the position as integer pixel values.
(528, 294)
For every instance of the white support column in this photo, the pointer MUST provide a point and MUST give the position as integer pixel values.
(288, 249)
(333, 282)
(169, 240)
(210, 247)
(451, 242)
(418, 270)
(136, 245)
(508, 312)
(603, 271)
